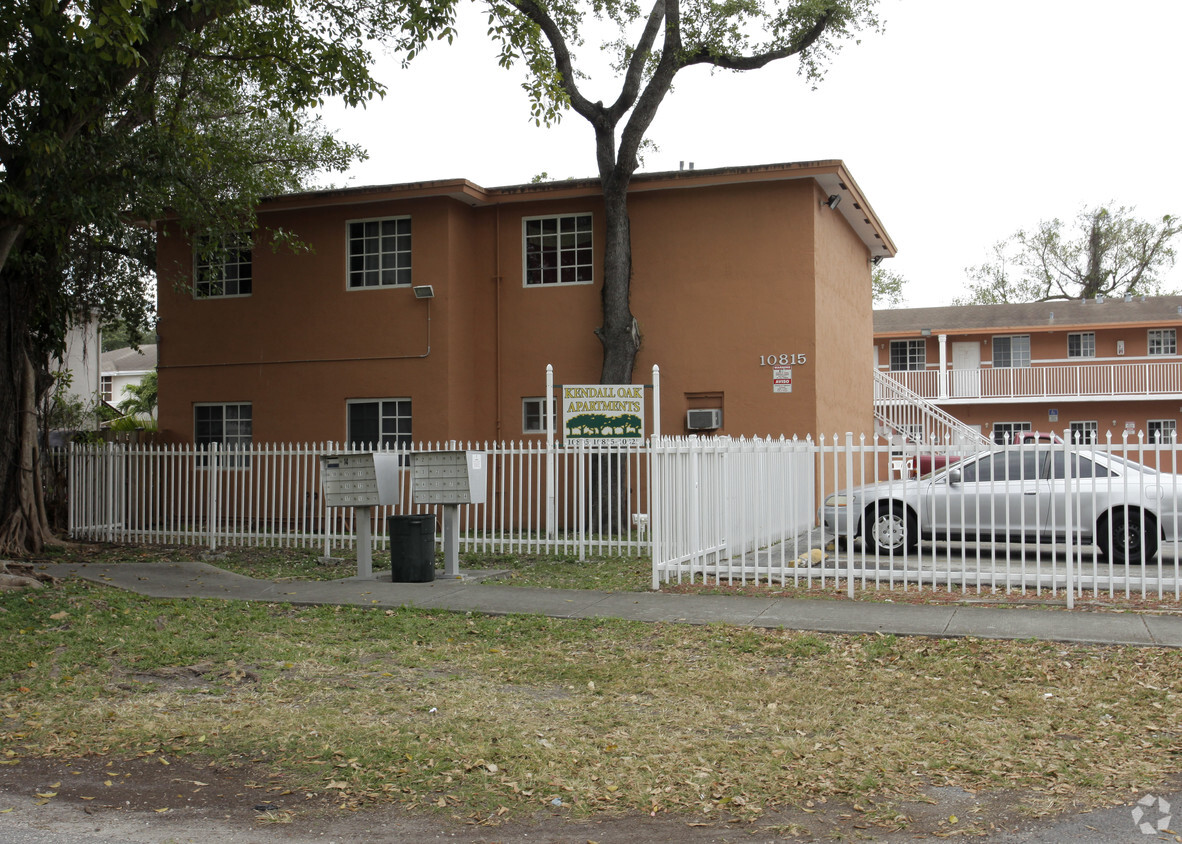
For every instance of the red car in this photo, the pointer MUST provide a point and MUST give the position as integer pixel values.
(927, 462)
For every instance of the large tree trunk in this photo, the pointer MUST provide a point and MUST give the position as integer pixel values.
(618, 334)
(24, 528)
(620, 340)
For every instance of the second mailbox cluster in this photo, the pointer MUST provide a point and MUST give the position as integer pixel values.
(449, 477)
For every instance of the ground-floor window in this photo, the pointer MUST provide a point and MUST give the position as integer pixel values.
(1161, 430)
(379, 423)
(1085, 432)
(533, 414)
(228, 425)
(1007, 432)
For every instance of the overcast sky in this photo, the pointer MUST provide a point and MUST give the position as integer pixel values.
(962, 122)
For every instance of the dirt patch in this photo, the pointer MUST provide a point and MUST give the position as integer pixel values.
(153, 799)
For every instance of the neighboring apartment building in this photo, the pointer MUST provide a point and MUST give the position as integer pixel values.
(1087, 367)
(429, 311)
(123, 368)
(81, 362)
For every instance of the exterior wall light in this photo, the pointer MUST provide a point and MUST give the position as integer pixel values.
(833, 201)
(424, 291)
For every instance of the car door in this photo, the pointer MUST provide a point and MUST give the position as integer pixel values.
(1088, 489)
(997, 495)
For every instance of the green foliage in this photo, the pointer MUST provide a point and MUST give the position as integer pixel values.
(132, 423)
(732, 36)
(142, 398)
(61, 409)
(1105, 251)
(887, 286)
(116, 112)
(119, 335)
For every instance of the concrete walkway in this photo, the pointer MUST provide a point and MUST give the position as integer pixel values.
(200, 580)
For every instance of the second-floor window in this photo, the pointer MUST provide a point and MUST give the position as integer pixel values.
(1163, 341)
(222, 266)
(558, 250)
(908, 354)
(379, 253)
(1081, 344)
(1011, 351)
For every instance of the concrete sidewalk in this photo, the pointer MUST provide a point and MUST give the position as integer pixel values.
(200, 580)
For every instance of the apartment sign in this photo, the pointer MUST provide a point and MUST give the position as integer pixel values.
(602, 414)
(782, 379)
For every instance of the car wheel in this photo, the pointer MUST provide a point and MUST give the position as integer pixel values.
(890, 527)
(1127, 535)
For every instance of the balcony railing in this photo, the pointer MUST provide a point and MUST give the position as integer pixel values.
(1098, 380)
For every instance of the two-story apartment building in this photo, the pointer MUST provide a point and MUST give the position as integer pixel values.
(429, 311)
(1087, 367)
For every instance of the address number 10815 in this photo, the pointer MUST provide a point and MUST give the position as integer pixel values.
(782, 360)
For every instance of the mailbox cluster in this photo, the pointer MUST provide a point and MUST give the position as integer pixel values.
(359, 480)
(449, 477)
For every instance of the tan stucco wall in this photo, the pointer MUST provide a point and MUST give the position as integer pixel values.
(843, 309)
(722, 275)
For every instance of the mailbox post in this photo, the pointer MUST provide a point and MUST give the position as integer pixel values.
(449, 478)
(360, 481)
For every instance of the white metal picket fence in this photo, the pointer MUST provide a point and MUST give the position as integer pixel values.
(747, 512)
(736, 510)
(269, 495)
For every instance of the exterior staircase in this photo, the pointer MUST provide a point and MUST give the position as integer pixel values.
(905, 416)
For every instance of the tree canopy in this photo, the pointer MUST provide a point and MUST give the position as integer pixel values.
(887, 286)
(115, 112)
(651, 47)
(1104, 251)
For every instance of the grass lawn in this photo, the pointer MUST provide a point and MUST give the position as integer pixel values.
(498, 717)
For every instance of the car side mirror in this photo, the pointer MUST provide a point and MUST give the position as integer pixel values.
(953, 477)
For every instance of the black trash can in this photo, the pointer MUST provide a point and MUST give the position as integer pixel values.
(412, 548)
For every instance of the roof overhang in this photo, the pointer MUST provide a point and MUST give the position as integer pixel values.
(831, 177)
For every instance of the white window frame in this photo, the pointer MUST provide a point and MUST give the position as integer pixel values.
(1011, 428)
(538, 413)
(1086, 341)
(1010, 338)
(381, 255)
(577, 265)
(916, 362)
(1162, 341)
(107, 388)
(1085, 432)
(227, 444)
(398, 439)
(210, 254)
(1165, 429)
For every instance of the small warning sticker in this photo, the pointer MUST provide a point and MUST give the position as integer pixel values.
(782, 379)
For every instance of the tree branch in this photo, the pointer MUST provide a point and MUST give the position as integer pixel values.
(753, 62)
(635, 72)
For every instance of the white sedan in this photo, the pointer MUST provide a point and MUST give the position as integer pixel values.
(1019, 494)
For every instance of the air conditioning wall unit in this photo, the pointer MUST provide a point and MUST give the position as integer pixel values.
(706, 419)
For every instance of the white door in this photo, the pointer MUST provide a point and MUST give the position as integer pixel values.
(966, 370)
